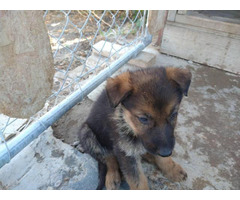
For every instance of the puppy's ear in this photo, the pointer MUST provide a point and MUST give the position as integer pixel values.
(118, 88)
(182, 77)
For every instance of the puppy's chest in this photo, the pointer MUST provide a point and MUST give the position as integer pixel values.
(131, 146)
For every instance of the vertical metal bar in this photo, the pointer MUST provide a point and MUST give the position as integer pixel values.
(34, 130)
(144, 21)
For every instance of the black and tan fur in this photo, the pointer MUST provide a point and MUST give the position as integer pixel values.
(134, 118)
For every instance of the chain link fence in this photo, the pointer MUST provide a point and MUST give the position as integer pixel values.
(88, 47)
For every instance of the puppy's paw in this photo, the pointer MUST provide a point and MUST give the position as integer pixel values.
(170, 169)
(175, 173)
(113, 180)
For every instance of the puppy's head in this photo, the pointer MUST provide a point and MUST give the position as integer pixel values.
(150, 99)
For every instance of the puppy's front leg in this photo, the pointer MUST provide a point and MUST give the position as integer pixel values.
(113, 178)
(131, 168)
(169, 168)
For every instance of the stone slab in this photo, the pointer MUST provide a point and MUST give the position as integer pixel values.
(107, 49)
(26, 63)
(48, 163)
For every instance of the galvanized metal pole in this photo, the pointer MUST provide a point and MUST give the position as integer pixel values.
(34, 130)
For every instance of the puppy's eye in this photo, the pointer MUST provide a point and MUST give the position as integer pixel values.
(173, 115)
(143, 119)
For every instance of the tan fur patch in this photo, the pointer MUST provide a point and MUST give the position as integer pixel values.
(142, 183)
(170, 169)
(113, 178)
(170, 107)
(127, 116)
(118, 87)
(181, 76)
(178, 73)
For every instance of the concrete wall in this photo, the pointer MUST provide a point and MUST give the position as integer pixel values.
(206, 41)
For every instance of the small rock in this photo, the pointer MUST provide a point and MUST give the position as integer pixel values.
(10, 136)
(79, 148)
(74, 144)
(58, 183)
(55, 125)
(209, 188)
(66, 179)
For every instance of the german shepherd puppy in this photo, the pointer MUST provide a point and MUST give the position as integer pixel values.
(135, 117)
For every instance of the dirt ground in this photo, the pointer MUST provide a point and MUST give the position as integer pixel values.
(208, 130)
(83, 30)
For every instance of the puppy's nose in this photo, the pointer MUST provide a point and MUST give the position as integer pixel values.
(165, 152)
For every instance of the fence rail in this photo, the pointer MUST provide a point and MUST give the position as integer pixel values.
(73, 35)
